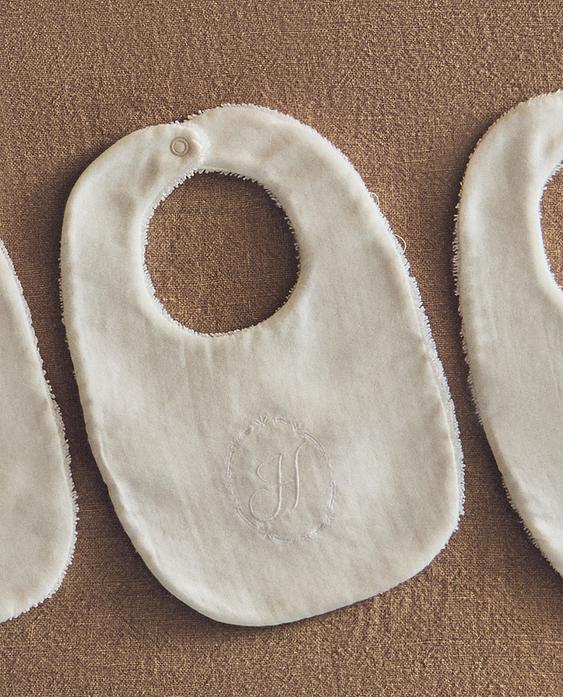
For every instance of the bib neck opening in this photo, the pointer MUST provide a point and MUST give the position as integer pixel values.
(551, 208)
(220, 255)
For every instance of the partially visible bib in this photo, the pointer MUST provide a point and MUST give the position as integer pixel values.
(37, 510)
(512, 311)
(286, 469)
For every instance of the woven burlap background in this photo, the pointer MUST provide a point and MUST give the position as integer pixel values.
(405, 89)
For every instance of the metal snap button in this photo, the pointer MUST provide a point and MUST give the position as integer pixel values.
(179, 146)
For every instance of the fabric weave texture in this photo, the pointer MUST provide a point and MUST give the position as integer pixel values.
(405, 89)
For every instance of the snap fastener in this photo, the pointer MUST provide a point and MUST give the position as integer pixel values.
(179, 146)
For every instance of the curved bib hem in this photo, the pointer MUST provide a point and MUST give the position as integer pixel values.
(476, 345)
(52, 585)
(218, 544)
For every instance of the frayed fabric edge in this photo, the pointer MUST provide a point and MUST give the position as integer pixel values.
(57, 416)
(456, 265)
(440, 374)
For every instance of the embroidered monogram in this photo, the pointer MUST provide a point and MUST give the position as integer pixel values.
(280, 479)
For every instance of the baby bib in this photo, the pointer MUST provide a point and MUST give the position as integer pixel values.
(286, 469)
(512, 310)
(37, 509)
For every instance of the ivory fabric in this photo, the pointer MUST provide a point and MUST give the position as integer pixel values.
(37, 511)
(283, 470)
(512, 309)
(405, 89)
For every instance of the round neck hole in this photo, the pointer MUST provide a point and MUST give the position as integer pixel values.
(551, 216)
(220, 254)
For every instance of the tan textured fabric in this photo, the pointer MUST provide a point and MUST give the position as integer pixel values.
(405, 89)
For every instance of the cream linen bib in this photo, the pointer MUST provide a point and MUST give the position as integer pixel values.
(37, 510)
(512, 311)
(286, 469)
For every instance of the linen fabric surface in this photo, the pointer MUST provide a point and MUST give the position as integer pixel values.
(37, 516)
(283, 470)
(512, 309)
(405, 89)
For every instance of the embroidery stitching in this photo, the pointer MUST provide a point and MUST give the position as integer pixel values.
(287, 508)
